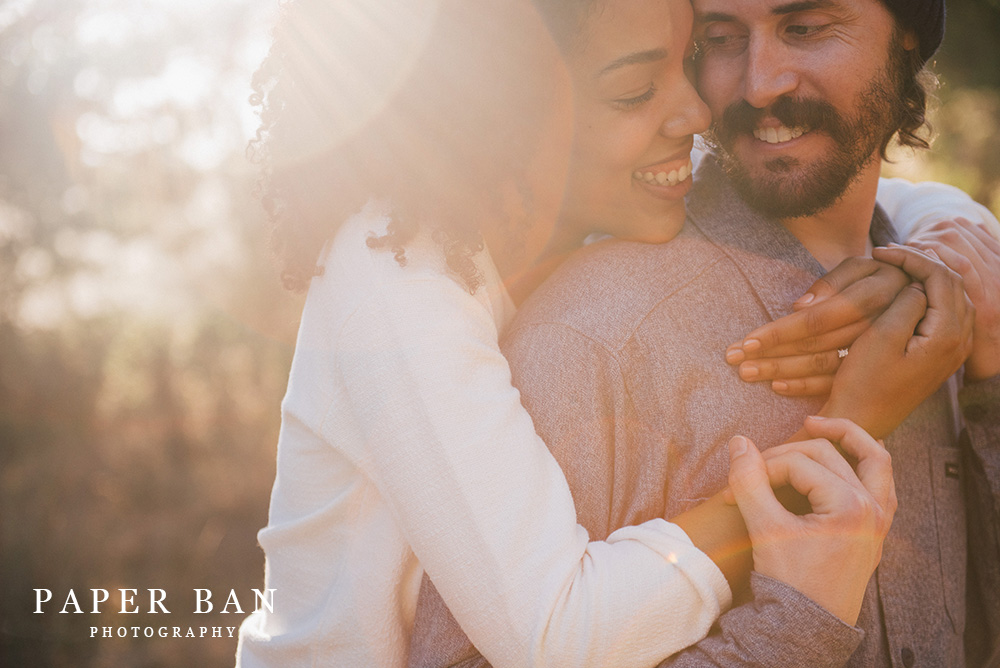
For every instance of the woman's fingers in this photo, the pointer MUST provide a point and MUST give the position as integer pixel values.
(948, 318)
(837, 280)
(895, 327)
(795, 366)
(810, 386)
(832, 340)
(833, 321)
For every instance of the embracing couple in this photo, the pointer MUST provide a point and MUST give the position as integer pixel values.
(687, 471)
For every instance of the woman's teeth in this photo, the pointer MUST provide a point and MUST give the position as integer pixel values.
(664, 178)
(779, 135)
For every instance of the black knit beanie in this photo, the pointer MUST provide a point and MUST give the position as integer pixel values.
(925, 18)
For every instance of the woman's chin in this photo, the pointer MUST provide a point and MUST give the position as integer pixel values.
(657, 229)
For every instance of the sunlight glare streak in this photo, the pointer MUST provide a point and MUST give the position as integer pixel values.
(366, 57)
(12, 10)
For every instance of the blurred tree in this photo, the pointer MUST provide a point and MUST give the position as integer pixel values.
(966, 118)
(144, 341)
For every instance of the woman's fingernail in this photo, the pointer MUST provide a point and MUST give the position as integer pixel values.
(805, 299)
(779, 386)
(734, 356)
(749, 372)
(816, 417)
(737, 446)
(751, 345)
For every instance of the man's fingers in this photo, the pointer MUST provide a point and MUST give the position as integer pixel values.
(825, 490)
(751, 487)
(874, 464)
(820, 450)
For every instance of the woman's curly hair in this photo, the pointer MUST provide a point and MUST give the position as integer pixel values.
(430, 105)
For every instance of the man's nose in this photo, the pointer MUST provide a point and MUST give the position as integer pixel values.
(770, 72)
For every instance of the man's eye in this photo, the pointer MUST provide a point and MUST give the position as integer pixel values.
(717, 40)
(806, 30)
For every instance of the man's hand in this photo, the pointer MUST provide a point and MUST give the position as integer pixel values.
(909, 351)
(830, 553)
(799, 352)
(974, 253)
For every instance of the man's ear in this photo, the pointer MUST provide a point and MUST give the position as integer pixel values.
(910, 41)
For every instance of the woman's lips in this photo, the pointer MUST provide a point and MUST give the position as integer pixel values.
(663, 175)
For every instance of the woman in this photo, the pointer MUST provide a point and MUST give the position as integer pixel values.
(403, 446)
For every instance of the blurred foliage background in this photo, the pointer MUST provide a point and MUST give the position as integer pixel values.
(144, 340)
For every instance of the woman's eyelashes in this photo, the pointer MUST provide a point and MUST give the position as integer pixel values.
(633, 102)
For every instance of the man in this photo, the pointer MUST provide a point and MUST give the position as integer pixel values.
(621, 383)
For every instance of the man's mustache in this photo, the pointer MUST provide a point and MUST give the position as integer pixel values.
(742, 118)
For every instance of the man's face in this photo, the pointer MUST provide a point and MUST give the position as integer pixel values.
(801, 94)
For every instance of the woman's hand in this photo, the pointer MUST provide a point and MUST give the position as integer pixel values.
(850, 515)
(909, 351)
(969, 250)
(799, 353)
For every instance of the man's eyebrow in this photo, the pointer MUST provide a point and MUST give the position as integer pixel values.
(802, 6)
(639, 57)
(780, 10)
(712, 17)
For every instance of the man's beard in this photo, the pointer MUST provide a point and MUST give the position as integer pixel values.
(787, 188)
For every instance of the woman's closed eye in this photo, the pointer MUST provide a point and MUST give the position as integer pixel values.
(637, 100)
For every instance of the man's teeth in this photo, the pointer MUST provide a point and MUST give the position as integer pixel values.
(664, 178)
(779, 135)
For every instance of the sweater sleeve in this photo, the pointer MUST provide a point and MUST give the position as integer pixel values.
(487, 510)
(779, 628)
(980, 444)
(914, 206)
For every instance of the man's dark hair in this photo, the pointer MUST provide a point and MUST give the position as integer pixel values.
(915, 84)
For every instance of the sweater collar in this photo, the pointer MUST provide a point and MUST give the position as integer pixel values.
(775, 263)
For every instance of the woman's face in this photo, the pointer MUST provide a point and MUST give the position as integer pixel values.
(635, 112)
